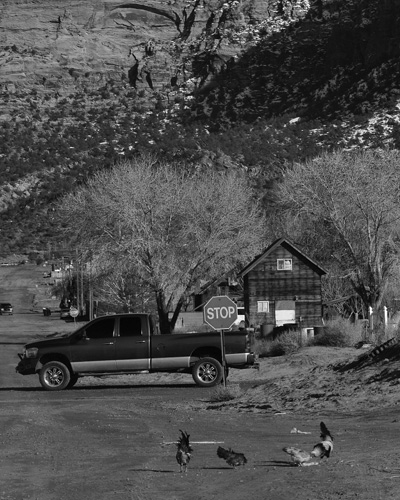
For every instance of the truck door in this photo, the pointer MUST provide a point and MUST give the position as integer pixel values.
(95, 351)
(132, 345)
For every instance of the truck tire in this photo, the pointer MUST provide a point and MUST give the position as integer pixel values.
(207, 372)
(54, 376)
(73, 381)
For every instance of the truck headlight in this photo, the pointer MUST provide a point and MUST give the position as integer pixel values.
(31, 352)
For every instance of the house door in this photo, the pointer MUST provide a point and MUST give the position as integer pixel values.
(285, 312)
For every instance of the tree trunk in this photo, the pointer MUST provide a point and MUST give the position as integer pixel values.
(167, 325)
(162, 309)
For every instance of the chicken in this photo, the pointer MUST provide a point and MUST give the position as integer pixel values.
(232, 458)
(325, 434)
(325, 447)
(320, 450)
(299, 457)
(184, 451)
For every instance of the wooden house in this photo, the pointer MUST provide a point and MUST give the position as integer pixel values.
(282, 287)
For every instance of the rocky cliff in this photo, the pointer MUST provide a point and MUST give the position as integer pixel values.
(79, 79)
(154, 46)
(252, 58)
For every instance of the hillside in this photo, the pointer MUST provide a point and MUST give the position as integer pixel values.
(250, 84)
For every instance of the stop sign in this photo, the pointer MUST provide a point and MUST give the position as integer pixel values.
(73, 312)
(220, 312)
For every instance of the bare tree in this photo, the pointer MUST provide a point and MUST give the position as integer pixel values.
(171, 226)
(121, 287)
(350, 203)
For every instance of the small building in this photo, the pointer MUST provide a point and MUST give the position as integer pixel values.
(282, 288)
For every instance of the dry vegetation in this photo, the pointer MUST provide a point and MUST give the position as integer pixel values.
(336, 333)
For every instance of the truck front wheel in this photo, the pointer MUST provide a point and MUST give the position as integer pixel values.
(54, 376)
(207, 372)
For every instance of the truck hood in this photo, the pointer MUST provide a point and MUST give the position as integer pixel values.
(56, 338)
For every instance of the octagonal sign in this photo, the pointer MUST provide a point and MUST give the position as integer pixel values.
(220, 312)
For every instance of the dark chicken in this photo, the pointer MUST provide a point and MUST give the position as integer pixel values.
(232, 458)
(184, 451)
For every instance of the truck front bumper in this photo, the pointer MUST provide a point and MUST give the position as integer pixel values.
(26, 366)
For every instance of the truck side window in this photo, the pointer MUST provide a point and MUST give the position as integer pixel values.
(101, 329)
(130, 327)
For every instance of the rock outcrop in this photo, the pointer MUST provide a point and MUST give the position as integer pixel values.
(253, 58)
(53, 47)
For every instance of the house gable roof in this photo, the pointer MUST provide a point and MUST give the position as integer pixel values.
(286, 243)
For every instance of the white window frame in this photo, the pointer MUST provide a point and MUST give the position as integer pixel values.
(263, 306)
(284, 264)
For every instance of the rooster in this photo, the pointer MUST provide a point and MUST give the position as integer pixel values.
(184, 451)
(325, 447)
(232, 458)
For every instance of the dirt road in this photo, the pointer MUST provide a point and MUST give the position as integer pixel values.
(113, 438)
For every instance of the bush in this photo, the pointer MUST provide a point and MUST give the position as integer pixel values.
(286, 343)
(221, 393)
(338, 333)
(330, 338)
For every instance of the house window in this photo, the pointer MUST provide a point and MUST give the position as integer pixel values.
(284, 264)
(263, 306)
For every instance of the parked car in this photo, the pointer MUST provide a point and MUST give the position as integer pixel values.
(6, 308)
(65, 313)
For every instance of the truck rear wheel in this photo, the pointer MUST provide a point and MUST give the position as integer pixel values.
(54, 376)
(207, 372)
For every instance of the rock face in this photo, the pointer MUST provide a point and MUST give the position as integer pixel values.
(50, 45)
(53, 44)
(255, 57)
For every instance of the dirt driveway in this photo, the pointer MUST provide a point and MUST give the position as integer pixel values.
(113, 438)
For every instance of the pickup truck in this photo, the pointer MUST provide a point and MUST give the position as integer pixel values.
(129, 343)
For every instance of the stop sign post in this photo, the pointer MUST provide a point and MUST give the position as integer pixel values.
(220, 313)
(73, 312)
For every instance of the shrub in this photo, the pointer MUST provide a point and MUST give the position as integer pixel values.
(221, 393)
(262, 347)
(286, 343)
(338, 333)
(331, 337)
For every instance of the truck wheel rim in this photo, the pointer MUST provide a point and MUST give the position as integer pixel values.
(207, 372)
(54, 377)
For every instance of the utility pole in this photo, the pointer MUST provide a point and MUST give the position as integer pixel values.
(78, 304)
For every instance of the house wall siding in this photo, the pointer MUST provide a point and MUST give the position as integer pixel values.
(302, 284)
